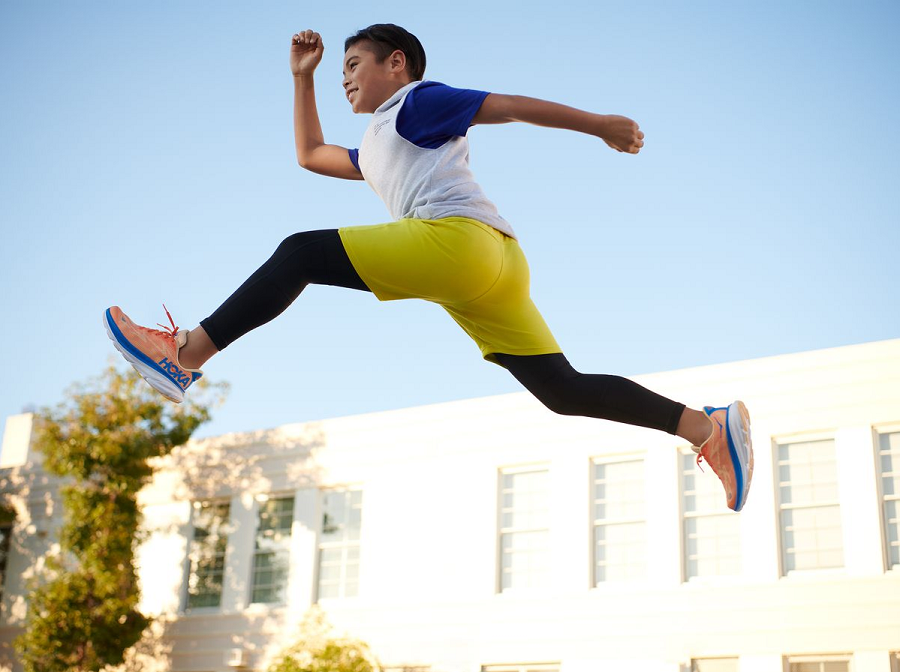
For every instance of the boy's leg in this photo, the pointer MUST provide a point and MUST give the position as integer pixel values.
(720, 435)
(310, 257)
(170, 360)
(564, 390)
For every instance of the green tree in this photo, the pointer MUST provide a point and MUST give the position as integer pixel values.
(317, 650)
(100, 440)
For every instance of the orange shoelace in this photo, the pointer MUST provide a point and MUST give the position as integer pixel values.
(174, 329)
(169, 332)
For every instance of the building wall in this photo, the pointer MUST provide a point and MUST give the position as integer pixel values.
(429, 548)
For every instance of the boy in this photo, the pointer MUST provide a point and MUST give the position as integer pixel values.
(448, 245)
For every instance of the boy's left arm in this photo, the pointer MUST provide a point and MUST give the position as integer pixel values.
(620, 133)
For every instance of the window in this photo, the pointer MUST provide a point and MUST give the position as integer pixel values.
(620, 534)
(819, 664)
(810, 515)
(714, 664)
(534, 667)
(5, 536)
(207, 554)
(7, 520)
(272, 555)
(889, 465)
(339, 543)
(524, 528)
(712, 543)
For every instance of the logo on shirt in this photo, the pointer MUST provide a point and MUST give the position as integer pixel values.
(377, 127)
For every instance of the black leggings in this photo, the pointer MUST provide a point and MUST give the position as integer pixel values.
(318, 257)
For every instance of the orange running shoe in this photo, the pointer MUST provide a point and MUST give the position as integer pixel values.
(153, 353)
(729, 451)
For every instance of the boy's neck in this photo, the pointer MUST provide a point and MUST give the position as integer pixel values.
(396, 86)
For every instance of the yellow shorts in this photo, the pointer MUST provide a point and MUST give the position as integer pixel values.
(478, 274)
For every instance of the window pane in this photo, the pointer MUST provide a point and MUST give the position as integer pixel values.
(889, 462)
(810, 516)
(712, 546)
(892, 523)
(5, 535)
(207, 554)
(525, 559)
(620, 547)
(812, 538)
(339, 543)
(808, 473)
(524, 534)
(272, 556)
(525, 497)
(620, 551)
(619, 490)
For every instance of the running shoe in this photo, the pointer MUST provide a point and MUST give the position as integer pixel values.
(729, 451)
(153, 353)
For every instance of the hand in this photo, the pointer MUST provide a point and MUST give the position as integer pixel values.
(306, 53)
(622, 134)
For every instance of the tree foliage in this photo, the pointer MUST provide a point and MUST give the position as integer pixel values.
(318, 650)
(84, 616)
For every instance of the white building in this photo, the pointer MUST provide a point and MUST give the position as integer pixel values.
(490, 534)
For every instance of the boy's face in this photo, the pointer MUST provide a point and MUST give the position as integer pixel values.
(368, 83)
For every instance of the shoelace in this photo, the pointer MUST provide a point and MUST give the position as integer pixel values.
(174, 329)
(168, 332)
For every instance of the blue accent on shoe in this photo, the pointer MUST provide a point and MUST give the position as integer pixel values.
(735, 460)
(125, 343)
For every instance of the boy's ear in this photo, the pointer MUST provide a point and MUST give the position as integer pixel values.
(397, 60)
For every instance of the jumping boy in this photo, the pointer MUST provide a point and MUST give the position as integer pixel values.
(448, 245)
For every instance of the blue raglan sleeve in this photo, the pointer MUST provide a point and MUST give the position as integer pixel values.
(354, 157)
(434, 113)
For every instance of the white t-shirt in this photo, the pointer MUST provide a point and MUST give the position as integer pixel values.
(415, 155)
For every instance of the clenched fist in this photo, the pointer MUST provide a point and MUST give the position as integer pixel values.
(306, 53)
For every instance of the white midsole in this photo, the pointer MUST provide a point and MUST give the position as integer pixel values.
(742, 442)
(153, 376)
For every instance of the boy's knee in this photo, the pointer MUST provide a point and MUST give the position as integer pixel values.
(557, 398)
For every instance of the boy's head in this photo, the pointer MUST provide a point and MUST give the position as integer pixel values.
(378, 61)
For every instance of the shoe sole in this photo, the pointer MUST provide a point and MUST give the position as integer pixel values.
(147, 371)
(741, 447)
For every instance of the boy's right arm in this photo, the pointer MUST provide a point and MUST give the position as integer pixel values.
(312, 152)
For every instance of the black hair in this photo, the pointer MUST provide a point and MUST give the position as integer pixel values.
(387, 38)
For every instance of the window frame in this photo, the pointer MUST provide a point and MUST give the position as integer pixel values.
(877, 433)
(260, 499)
(5, 553)
(791, 439)
(602, 460)
(349, 488)
(501, 531)
(196, 505)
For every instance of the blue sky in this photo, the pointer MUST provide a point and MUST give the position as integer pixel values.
(146, 156)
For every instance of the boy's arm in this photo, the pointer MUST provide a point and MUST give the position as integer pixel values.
(620, 133)
(312, 152)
